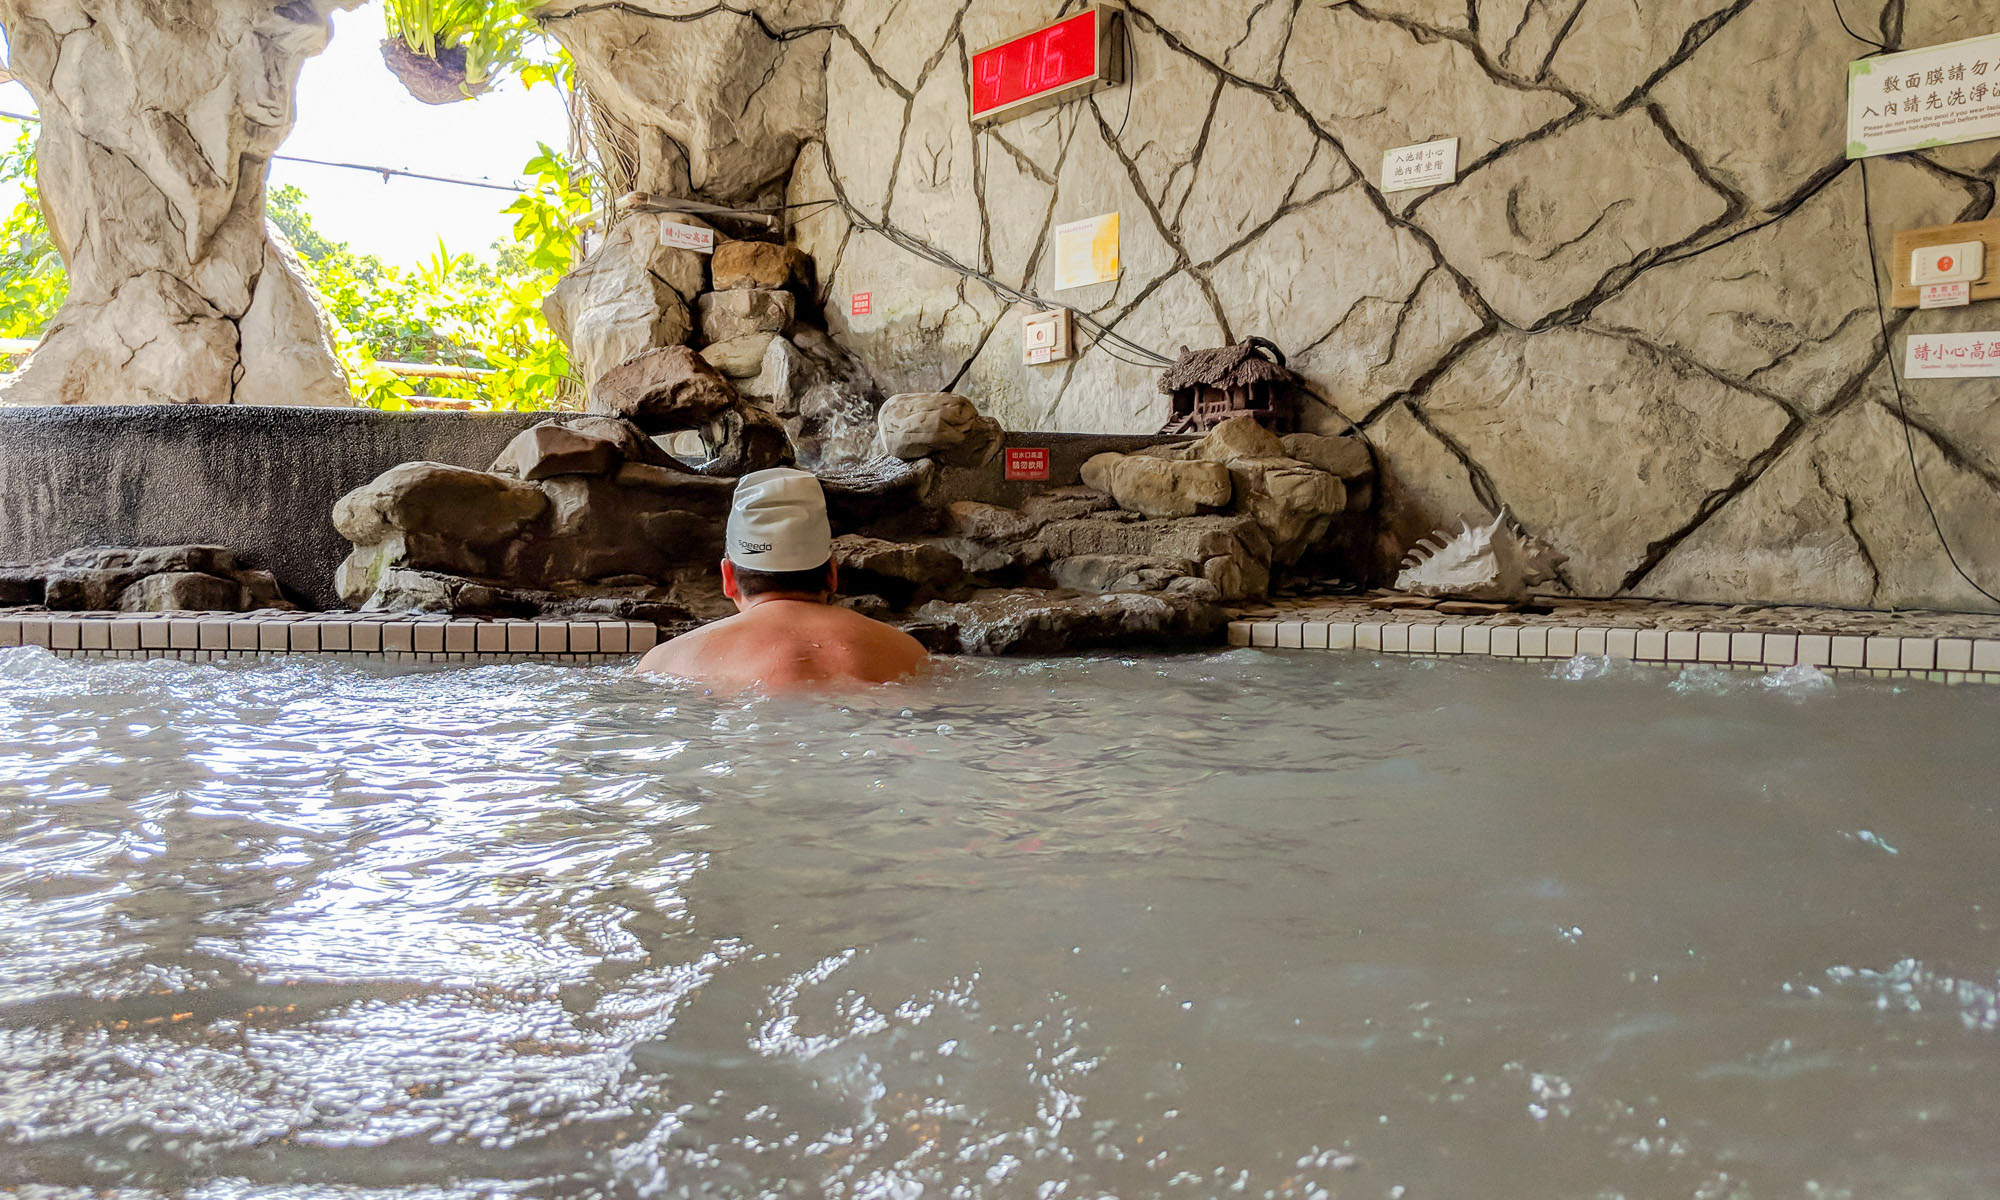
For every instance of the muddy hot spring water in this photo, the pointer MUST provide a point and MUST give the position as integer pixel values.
(1242, 923)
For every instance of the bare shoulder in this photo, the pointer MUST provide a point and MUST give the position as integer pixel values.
(680, 656)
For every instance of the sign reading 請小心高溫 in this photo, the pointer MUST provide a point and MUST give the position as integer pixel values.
(1937, 96)
(1072, 57)
(1952, 355)
(687, 237)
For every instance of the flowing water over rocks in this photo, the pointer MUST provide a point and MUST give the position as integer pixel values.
(1201, 925)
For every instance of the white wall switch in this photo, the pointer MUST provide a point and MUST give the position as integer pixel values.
(1960, 262)
(1048, 337)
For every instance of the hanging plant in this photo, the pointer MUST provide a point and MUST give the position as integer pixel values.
(449, 50)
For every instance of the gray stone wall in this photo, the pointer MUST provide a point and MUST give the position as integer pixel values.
(261, 481)
(1642, 319)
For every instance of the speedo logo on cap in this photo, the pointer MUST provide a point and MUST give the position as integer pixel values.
(755, 547)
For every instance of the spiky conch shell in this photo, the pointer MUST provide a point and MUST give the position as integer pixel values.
(1500, 563)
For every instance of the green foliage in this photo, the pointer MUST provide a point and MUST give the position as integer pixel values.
(32, 280)
(454, 309)
(493, 34)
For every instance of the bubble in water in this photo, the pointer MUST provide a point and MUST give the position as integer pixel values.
(1800, 681)
(1585, 666)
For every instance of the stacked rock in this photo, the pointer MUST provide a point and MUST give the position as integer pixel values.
(751, 308)
(143, 579)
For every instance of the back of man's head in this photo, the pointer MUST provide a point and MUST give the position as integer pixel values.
(779, 538)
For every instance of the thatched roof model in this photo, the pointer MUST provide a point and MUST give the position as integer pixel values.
(1237, 366)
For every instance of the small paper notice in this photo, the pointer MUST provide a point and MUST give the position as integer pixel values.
(1952, 355)
(1945, 295)
(862, 304)
(687, 237)
(1428, 165)
(1087, 252)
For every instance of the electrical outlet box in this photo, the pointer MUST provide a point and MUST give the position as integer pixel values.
(1958, 262)
(1048, 337)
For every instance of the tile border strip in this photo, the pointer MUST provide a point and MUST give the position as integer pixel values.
(1938, 659)
(393, 637)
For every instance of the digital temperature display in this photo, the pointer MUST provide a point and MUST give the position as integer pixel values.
(1067, 58)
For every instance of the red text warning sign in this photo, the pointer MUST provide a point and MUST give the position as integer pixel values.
(864, 303)
(1028, 462)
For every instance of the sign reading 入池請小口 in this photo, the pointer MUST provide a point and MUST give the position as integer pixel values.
(687, 237)
(1937, 96)
(1029, 463)
(1428, 165)
(1952, 355)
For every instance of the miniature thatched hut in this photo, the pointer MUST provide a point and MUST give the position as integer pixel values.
(1249, 379)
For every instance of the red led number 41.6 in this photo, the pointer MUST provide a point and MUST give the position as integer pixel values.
(1054, 63)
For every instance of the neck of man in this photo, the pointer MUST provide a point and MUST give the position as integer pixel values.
(751, 602)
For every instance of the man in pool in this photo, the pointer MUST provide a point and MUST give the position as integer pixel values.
(787, 634)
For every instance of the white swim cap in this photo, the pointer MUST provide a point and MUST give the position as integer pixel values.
(778, 522)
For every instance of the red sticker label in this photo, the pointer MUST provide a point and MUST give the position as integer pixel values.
(1028, 463)
(864, 303)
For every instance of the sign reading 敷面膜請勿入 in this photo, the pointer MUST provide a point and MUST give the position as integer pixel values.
(1428, 165)
(1072, 57)
(1952, 355)
(1937, 96)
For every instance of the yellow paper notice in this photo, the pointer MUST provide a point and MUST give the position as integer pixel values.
(1087, 252)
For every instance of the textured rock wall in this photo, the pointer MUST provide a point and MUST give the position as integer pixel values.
(1642, 319)
(159, 118)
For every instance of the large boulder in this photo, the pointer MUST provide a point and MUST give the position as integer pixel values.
(1157, 487)
(743, 440)
(764, 266)
(1233, 551)
(1346, 457)
(472, 507)
(729, 315)
(937, 425)
(551, 449)
(899, 572)
(1294, 504)
(632, 293)
(739, 358)
(182, 591)
(664, 390)
(1239, 437)
(1033, 622)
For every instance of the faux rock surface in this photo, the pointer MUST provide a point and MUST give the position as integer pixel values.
(1669, 172)
(158, 122)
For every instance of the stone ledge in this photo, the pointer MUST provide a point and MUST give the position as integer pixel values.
(1940, 647)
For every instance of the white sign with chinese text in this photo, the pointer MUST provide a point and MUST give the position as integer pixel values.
(1937, 96)
(1428, 165)
(687, 237)
(1945, 295)
(1952, 355)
